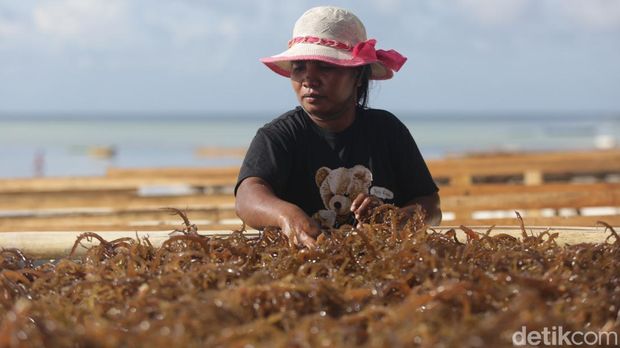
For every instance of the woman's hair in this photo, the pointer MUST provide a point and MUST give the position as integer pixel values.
(362, 90)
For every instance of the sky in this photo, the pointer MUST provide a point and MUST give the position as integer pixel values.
(200, 56)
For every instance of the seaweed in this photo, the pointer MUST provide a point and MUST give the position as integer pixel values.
(389, 281)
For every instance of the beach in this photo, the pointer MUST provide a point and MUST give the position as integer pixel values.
(61, 145)
(84, 173)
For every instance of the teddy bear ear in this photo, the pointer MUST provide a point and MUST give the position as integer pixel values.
(362, 173)
(320, 176)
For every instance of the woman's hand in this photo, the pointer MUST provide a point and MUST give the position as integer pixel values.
(299, 227)
(259, 207)
(363, 204)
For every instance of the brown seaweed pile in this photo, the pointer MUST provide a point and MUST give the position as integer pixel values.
(382, 285)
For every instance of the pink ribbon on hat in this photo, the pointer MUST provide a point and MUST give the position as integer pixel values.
(366, 51)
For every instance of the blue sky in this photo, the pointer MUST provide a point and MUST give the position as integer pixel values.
(159, 56)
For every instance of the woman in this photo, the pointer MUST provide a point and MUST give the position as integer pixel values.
(331, 159)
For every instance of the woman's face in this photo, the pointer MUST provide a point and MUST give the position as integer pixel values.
(324, 90)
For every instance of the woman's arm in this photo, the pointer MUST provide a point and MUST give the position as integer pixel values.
(259, 207)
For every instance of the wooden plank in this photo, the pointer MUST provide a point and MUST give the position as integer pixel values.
(108, 199)
(533, 177)
(477, 198)
(545, 163)
(171, 224)
(150, 219)
(129, 199)
(77, 226)
(113, 216)
(456, 173)
(50, 244)
(500, 189)
(77, 192)
(174, 172)
(462, 204)
(220, 152)
(140, 226)
(460, 170)
(532, 200)
(533, 156)
(105, 183)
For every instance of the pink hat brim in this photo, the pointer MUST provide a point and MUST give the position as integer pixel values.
(281, 63)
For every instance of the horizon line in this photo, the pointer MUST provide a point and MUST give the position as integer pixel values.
(247, 114)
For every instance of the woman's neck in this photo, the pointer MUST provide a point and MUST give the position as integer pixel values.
(335, 123)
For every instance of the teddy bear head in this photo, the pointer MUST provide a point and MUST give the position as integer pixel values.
(339, 187)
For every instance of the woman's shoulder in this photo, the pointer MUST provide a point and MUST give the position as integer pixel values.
(289, 123)
(381, 118)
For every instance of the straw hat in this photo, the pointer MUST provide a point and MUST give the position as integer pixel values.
(334, 35)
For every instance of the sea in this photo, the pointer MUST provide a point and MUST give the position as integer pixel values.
(87, 145)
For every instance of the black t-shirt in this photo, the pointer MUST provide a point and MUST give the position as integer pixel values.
(289, 151)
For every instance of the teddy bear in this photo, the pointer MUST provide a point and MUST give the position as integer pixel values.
(338, 188)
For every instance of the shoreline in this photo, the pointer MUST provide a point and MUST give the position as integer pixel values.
(96, 160)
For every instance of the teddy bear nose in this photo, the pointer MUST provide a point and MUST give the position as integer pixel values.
(337, 205)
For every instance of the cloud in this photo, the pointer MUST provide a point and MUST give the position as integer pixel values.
(591, 14)
(124, 34)
(82, 22)
(11, 25)
(185, 23)
(580, 14)
(494, 12)
(388, 7)
(110, 24)
(8, 29)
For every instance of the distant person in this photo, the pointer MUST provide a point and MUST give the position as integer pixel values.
(39, 163)
(331, 159)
